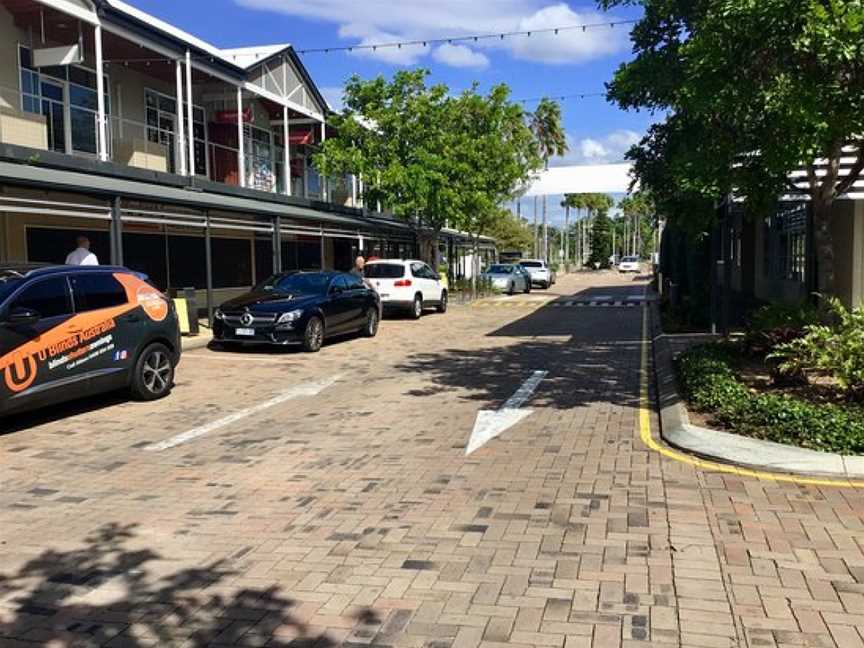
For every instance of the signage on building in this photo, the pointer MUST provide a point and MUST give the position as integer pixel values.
(230, 116)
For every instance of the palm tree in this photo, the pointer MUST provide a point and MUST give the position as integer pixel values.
(551, 141)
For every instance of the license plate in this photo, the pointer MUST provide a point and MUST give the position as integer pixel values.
(246, 332)
(384, 295)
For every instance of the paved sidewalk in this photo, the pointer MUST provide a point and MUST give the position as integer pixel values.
(354, 518)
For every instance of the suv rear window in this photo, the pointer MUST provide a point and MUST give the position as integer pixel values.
(96, 291)
(531, 264)
(384, 271)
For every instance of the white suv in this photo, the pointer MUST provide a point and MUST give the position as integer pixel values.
(541, 274)
(630, 264)
(410, 285)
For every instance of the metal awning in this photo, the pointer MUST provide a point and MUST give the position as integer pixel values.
(84, 183)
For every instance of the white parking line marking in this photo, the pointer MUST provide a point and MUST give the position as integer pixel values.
(491, 423)
(306, 389)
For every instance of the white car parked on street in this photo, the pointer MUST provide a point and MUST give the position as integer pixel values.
(409, 285)
(541, 274)
(630, 264)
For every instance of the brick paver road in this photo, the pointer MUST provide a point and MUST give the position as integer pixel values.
(354, 518)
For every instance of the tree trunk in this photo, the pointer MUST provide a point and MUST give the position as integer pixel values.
(545, 233)
(824, 241)
(534, 249)
(567, 234)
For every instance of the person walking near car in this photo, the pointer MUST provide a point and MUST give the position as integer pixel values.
(81, 255)
(359, 265)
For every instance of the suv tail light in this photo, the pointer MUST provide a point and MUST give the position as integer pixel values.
(403, 283)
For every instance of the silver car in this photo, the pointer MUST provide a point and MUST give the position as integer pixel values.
(508, 278)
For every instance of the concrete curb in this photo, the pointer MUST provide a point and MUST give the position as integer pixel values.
(723, 447)
(197, 342)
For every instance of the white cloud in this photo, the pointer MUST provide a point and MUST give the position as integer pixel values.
(569, 46)
(378, 21)
(460, 56)
(606, 149)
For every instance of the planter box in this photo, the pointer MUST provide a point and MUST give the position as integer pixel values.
(23, 129)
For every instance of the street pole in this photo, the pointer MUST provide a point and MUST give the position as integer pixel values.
(545, 233)
(567, 234)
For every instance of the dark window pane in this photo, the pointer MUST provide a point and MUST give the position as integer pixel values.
(83, 130)
(384, 271)
(146, 253)
(150, 99)
(168, 105)
(95, 291)
(56, 71)
(234, 266)
(186, 262)
(52, 91)
(82, 77)
(48, 245)
(26, 59)
(263, 258)
(82, 97)
(49, 298)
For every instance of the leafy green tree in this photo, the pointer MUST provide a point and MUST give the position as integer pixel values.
(492, 156)
(551, 141)
(637, 225)
(601, 241)
(511, 233)
(753, 91)
(392, 134)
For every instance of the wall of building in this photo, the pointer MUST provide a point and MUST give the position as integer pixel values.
(843, 230)
(10, 84)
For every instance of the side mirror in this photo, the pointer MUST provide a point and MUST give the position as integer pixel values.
(336, 290)
(22, 317)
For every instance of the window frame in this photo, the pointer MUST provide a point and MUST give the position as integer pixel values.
(188, 128)
(73, 280)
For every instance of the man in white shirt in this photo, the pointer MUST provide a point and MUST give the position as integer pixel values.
(82, 254)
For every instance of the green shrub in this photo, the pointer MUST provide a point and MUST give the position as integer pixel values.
(835, 349)
(708, 379)
(776, 324)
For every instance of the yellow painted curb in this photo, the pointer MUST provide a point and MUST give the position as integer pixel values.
(644, 425)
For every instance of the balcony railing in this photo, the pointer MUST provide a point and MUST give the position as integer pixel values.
(45, 124)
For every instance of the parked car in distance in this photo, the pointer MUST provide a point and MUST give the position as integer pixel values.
(541, 274)
(630, 264)
(301, 308)
(72, 331)
(407, 285)
(508, 278)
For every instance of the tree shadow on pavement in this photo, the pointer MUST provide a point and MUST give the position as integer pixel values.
(108, 594)
(590, 354)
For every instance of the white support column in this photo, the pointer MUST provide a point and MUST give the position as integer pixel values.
(180, 135)
(101, 131)
(191, 137)
(324, 193)
(353, 190)
(241, 154)
(286, 138)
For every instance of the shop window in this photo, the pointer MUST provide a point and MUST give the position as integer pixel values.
(146, 253)
(49, 245)
(263, 258)
(785, 245)
(232, 265)
(187, 264)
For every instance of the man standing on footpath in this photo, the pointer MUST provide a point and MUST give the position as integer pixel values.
(359, 265)
(82, 255)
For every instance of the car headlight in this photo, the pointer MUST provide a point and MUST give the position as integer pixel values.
(290, 316)
(219, 315)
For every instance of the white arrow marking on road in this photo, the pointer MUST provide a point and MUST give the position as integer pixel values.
(307, 389)
(491, 423)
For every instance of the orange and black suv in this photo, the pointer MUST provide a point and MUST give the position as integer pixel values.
(73, 331)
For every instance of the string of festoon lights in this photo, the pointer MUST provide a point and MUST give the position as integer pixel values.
(475, 38)
(374, 47)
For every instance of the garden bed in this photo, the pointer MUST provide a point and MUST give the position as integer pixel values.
(734, 392)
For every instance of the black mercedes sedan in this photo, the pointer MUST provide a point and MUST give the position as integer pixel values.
(299, 308)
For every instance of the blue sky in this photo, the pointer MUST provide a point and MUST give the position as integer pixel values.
(570, 63)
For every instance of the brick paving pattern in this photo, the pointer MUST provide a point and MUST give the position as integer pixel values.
(353, 518)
